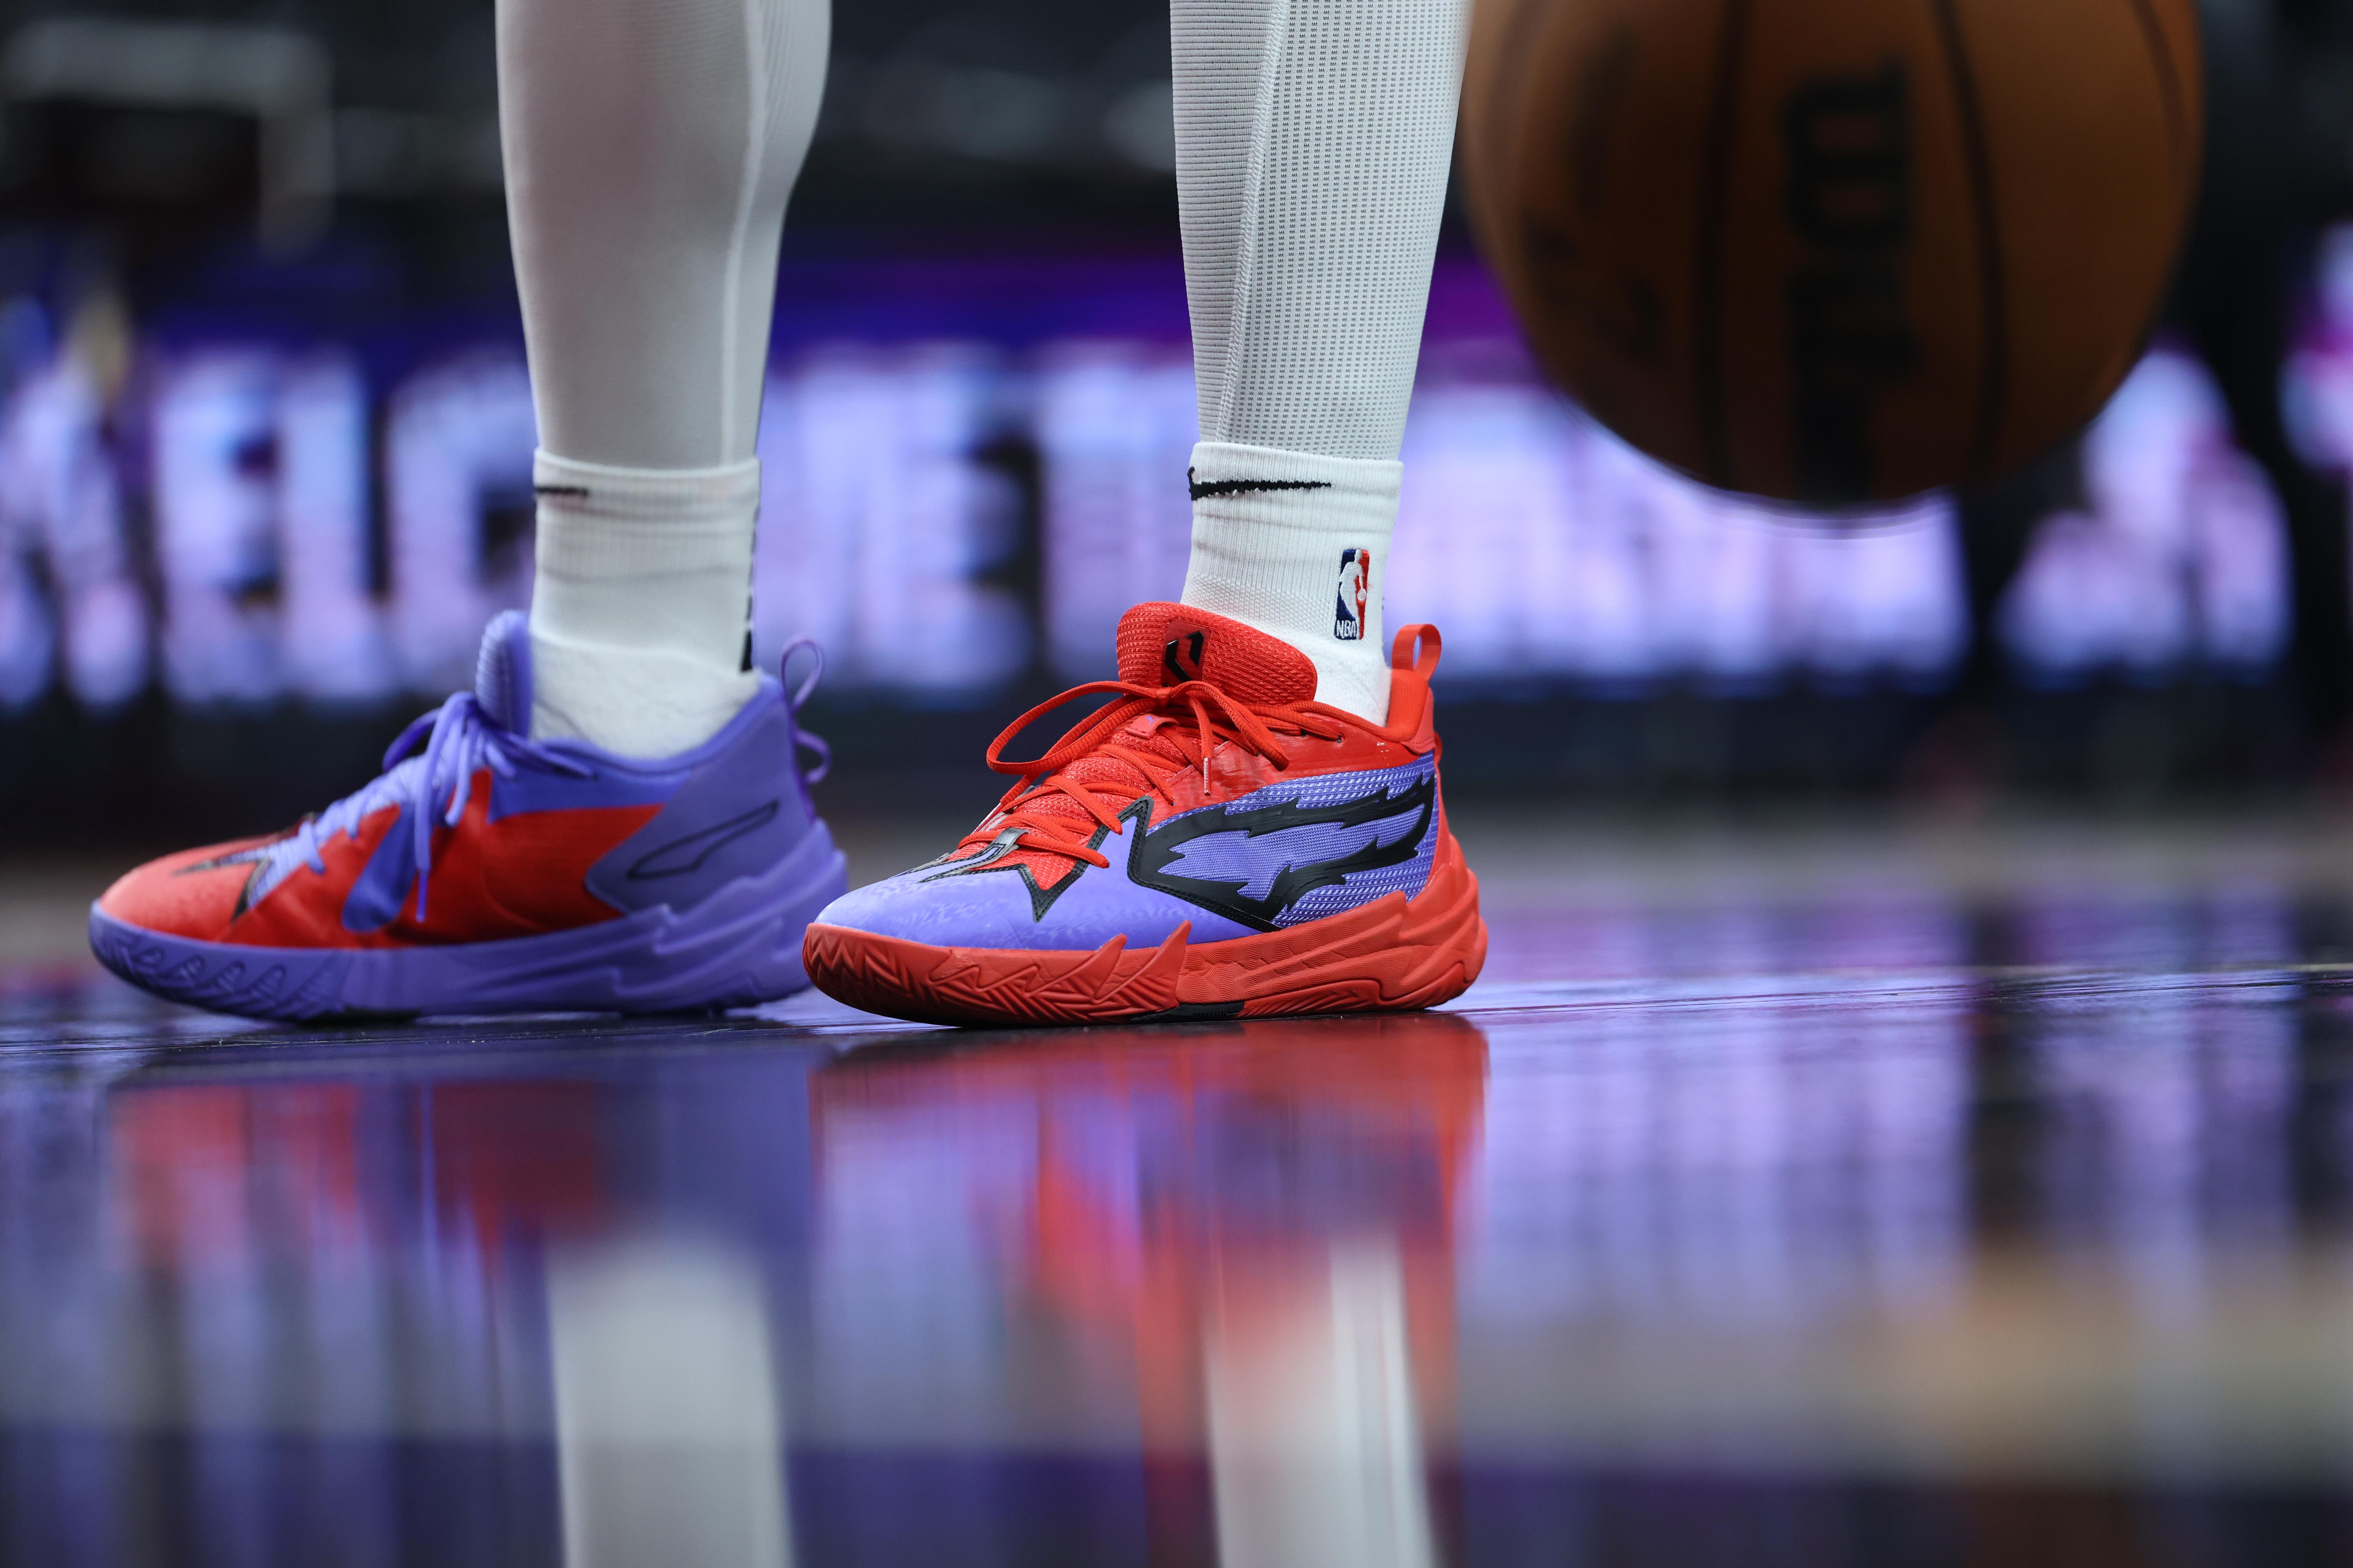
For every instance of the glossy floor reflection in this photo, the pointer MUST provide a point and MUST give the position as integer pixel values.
(1784, 1216)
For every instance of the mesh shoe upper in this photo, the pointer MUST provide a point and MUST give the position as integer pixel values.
(1211, 790)
(475, 833)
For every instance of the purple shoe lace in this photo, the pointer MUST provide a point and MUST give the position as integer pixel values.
(795, 700)
(459, 737)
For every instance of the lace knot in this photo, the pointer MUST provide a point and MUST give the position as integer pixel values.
(1054, 805)
(459, 739)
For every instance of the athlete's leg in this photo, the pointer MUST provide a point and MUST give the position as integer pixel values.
(650, 146)
(1213, 845)
(627, 864)
(1313, 137)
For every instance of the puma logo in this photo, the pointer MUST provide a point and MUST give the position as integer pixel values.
(1181, 659)
(681, 855)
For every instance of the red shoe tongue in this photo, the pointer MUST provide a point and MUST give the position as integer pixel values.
(1165, 645)
(1161, 644)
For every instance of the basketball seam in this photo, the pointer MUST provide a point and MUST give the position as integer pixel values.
(2168, 84)
(1714, 196)
(1996, 325)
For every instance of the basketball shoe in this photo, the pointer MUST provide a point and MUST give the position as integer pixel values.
(486, 872)
(1213, 842)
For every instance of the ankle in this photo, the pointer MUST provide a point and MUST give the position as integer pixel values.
(639, 602)
(1295, 544)
(632, 701)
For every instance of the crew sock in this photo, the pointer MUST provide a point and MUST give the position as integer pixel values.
(650, 146)
(1295, 544)
(638, 609)
(1312, 139)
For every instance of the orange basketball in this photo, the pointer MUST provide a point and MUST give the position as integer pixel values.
(1835, 251)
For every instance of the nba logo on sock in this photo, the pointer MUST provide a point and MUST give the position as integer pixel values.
(1355, 587)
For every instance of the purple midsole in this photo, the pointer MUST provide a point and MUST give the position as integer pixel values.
(738, 947)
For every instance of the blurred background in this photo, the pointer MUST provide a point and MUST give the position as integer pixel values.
(1847, 1195)
(265, 433)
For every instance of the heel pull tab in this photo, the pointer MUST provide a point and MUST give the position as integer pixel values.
(1422, 659)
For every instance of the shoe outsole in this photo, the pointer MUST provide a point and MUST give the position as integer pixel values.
(737, 948)
(1393, 955)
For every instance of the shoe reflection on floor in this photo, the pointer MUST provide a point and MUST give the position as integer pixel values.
(1813, 1271)
(1258, 1220)
(396, 1311)
(668, 1439)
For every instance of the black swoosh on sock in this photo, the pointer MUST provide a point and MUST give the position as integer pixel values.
(1204, 488)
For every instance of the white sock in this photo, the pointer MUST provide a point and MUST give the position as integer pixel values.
(638, 608)
(1313, 140)
(1296, 545)
(650, 146)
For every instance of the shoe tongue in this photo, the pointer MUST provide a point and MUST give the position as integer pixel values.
(1165, 645)
(1161, 644)
(502, 670)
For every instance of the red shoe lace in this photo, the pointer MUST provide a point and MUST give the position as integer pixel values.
(1037, 811)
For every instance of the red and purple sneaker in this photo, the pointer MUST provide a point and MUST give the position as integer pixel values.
(1212, 843)
(486, 872)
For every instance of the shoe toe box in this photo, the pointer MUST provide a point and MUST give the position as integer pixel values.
(957, 912)
(1003, 909)
(195, 893)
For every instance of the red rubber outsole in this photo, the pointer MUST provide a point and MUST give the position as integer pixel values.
(1394, 954)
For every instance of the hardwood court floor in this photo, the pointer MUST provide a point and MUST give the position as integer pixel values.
(1822, 1195)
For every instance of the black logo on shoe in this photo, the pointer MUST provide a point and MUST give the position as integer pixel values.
(1181, 659)
(1161, 847)
(1204, 488)
(255, 858)
(985, 858)
(679, 856)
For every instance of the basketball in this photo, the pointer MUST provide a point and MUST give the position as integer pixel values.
(1834, 251)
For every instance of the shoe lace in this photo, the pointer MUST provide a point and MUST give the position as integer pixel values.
(459, 738)
(797, 697)
(1058, 798)
(462, 738)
